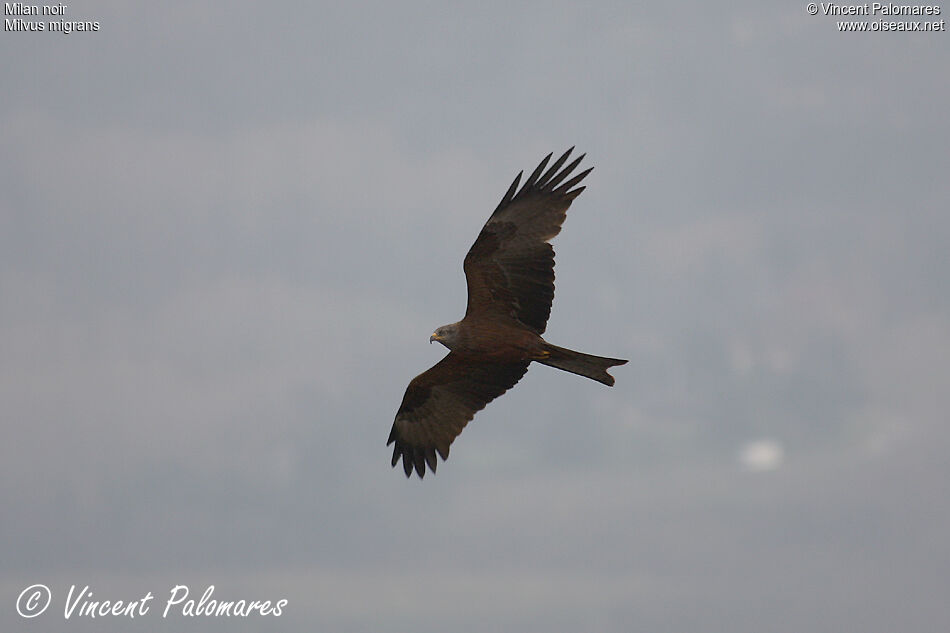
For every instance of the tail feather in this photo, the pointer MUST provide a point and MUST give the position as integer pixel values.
(593, 367)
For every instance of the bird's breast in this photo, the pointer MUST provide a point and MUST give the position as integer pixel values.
(499, 342)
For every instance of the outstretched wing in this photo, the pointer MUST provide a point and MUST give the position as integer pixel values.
(439, 403)
(510, 268)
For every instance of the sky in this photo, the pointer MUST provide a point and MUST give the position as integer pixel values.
(227, 231)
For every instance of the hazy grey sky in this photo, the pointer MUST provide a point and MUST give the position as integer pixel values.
(227, 230)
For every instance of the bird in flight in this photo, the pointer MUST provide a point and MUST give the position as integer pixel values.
(510, 275)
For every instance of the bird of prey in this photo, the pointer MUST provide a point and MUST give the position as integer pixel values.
(510, 275)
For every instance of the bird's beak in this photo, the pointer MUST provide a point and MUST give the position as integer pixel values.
(434, 337)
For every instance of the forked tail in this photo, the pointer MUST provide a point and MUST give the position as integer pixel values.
(593, 367)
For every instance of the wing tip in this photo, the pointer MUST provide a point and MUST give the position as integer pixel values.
(565, 189)
(546, 181)
(512, 191)
(575, 192)
(415, 459)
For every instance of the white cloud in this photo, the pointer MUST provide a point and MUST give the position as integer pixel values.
(761, 455)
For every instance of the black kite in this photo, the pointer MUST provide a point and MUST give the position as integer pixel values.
(510, 274)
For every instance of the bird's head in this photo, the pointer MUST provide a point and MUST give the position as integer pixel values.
(447, 335)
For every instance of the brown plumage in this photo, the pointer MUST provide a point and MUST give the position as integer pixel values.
(510, 275)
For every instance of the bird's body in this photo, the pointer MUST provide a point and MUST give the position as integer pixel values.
(483, 339)
(510, 275)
